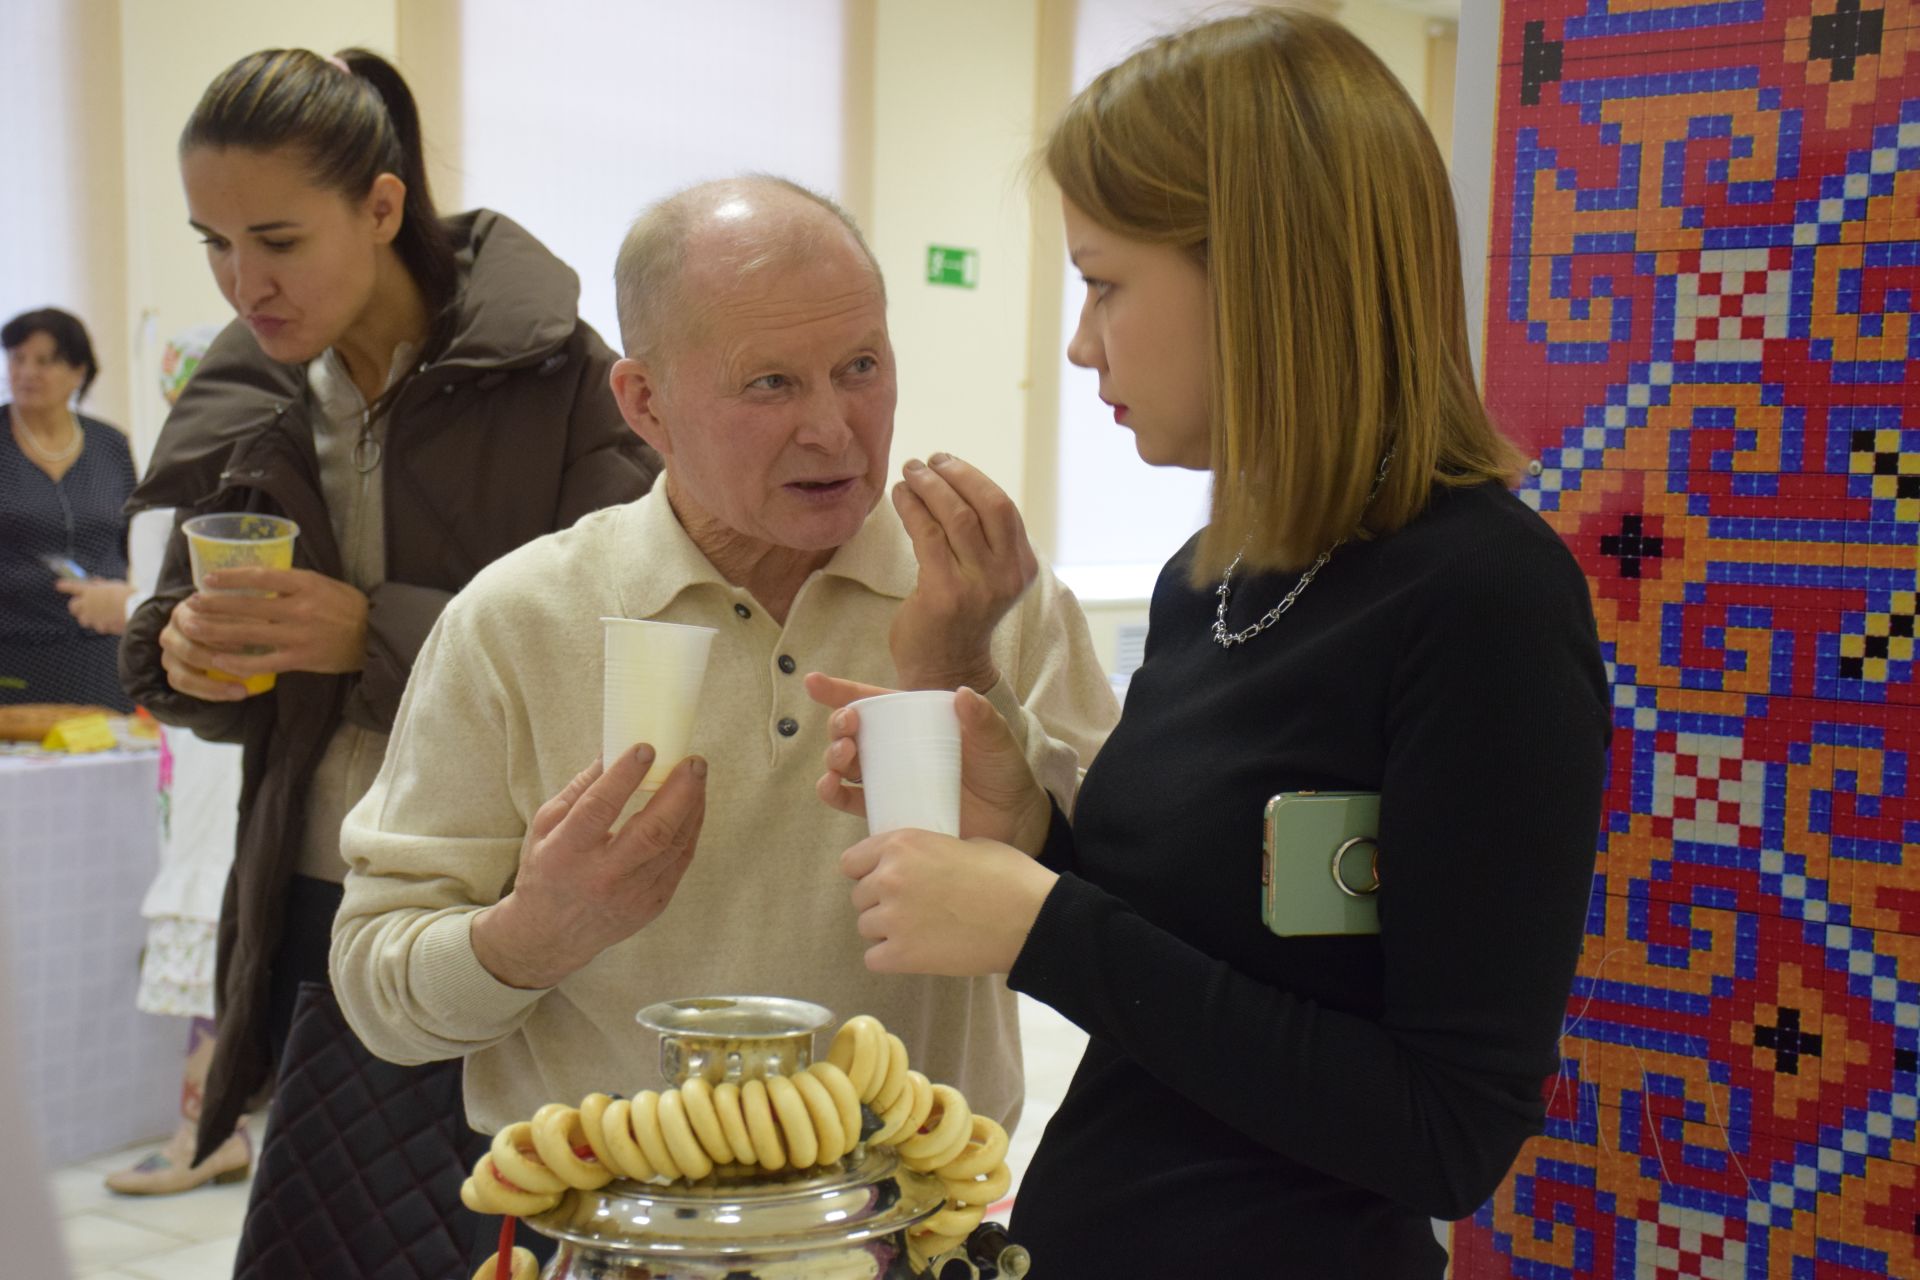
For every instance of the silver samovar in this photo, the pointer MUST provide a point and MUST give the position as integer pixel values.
(847, 1221)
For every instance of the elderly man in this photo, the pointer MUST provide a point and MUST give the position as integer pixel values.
(495, 908)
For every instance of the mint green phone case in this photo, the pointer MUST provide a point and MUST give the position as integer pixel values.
(1317, 864)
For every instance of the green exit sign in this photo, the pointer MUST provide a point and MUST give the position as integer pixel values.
(957, 267)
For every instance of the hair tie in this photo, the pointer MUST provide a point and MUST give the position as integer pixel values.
(340, 63)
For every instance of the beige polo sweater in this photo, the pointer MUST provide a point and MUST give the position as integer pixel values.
(503, 709)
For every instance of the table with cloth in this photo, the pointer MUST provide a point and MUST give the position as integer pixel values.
(79, 841)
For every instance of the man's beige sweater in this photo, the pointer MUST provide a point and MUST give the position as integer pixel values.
(504, 709)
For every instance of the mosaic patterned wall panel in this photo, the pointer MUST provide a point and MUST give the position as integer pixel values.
(1701, 322)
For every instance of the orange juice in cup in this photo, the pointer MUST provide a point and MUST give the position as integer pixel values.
(239, 540)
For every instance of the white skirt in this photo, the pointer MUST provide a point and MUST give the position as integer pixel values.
(199, 803)
(200, 793)
(176, 969)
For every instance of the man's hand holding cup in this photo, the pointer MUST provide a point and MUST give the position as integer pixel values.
(582, 885)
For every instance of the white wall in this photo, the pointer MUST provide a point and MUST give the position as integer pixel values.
(1398, 35)
(1477, 81)
(1116, 518)
(953, 123)
(576, 114)
(61, 220)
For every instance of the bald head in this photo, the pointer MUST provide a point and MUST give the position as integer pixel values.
(715, 236)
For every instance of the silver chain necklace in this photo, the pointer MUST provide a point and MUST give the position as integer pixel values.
(1227, 639)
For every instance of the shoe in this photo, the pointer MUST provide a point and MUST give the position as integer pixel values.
(168, 1171)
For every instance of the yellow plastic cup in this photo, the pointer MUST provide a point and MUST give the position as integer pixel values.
(239, 540)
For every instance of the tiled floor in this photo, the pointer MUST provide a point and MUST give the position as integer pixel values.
(110, 1237)
(193, 1236)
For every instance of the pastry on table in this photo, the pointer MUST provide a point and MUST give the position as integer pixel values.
(31, 721)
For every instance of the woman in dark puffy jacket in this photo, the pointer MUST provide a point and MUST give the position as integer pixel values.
(419, 395)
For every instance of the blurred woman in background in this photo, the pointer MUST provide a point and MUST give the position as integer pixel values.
(63, 538)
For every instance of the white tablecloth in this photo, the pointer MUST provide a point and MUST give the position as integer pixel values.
(79, 844)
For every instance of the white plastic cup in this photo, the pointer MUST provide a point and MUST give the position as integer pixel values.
(650, 685)
(910, 761)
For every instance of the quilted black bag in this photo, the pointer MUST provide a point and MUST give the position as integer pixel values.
(361, 1169)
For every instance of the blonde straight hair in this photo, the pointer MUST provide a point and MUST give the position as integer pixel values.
(1279, 151)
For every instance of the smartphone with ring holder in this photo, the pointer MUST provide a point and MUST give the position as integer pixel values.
(1320, 864)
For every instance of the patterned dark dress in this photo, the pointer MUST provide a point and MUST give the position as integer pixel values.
(46, 656)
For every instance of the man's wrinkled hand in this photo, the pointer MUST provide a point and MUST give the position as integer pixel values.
(975, 563)
(583, 886)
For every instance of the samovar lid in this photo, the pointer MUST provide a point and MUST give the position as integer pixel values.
(733, 1037)
(740, 1210)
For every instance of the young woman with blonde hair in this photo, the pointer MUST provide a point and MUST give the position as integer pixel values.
(1273, 294)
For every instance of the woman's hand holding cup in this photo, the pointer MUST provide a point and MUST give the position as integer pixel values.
(189, 663)
(999, 797)
(247, 624)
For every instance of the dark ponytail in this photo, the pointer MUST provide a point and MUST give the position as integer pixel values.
(353, 125)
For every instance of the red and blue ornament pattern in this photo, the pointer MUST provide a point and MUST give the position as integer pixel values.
(1705, 264)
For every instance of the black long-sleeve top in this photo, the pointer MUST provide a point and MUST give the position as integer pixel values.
(1300, 1107)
